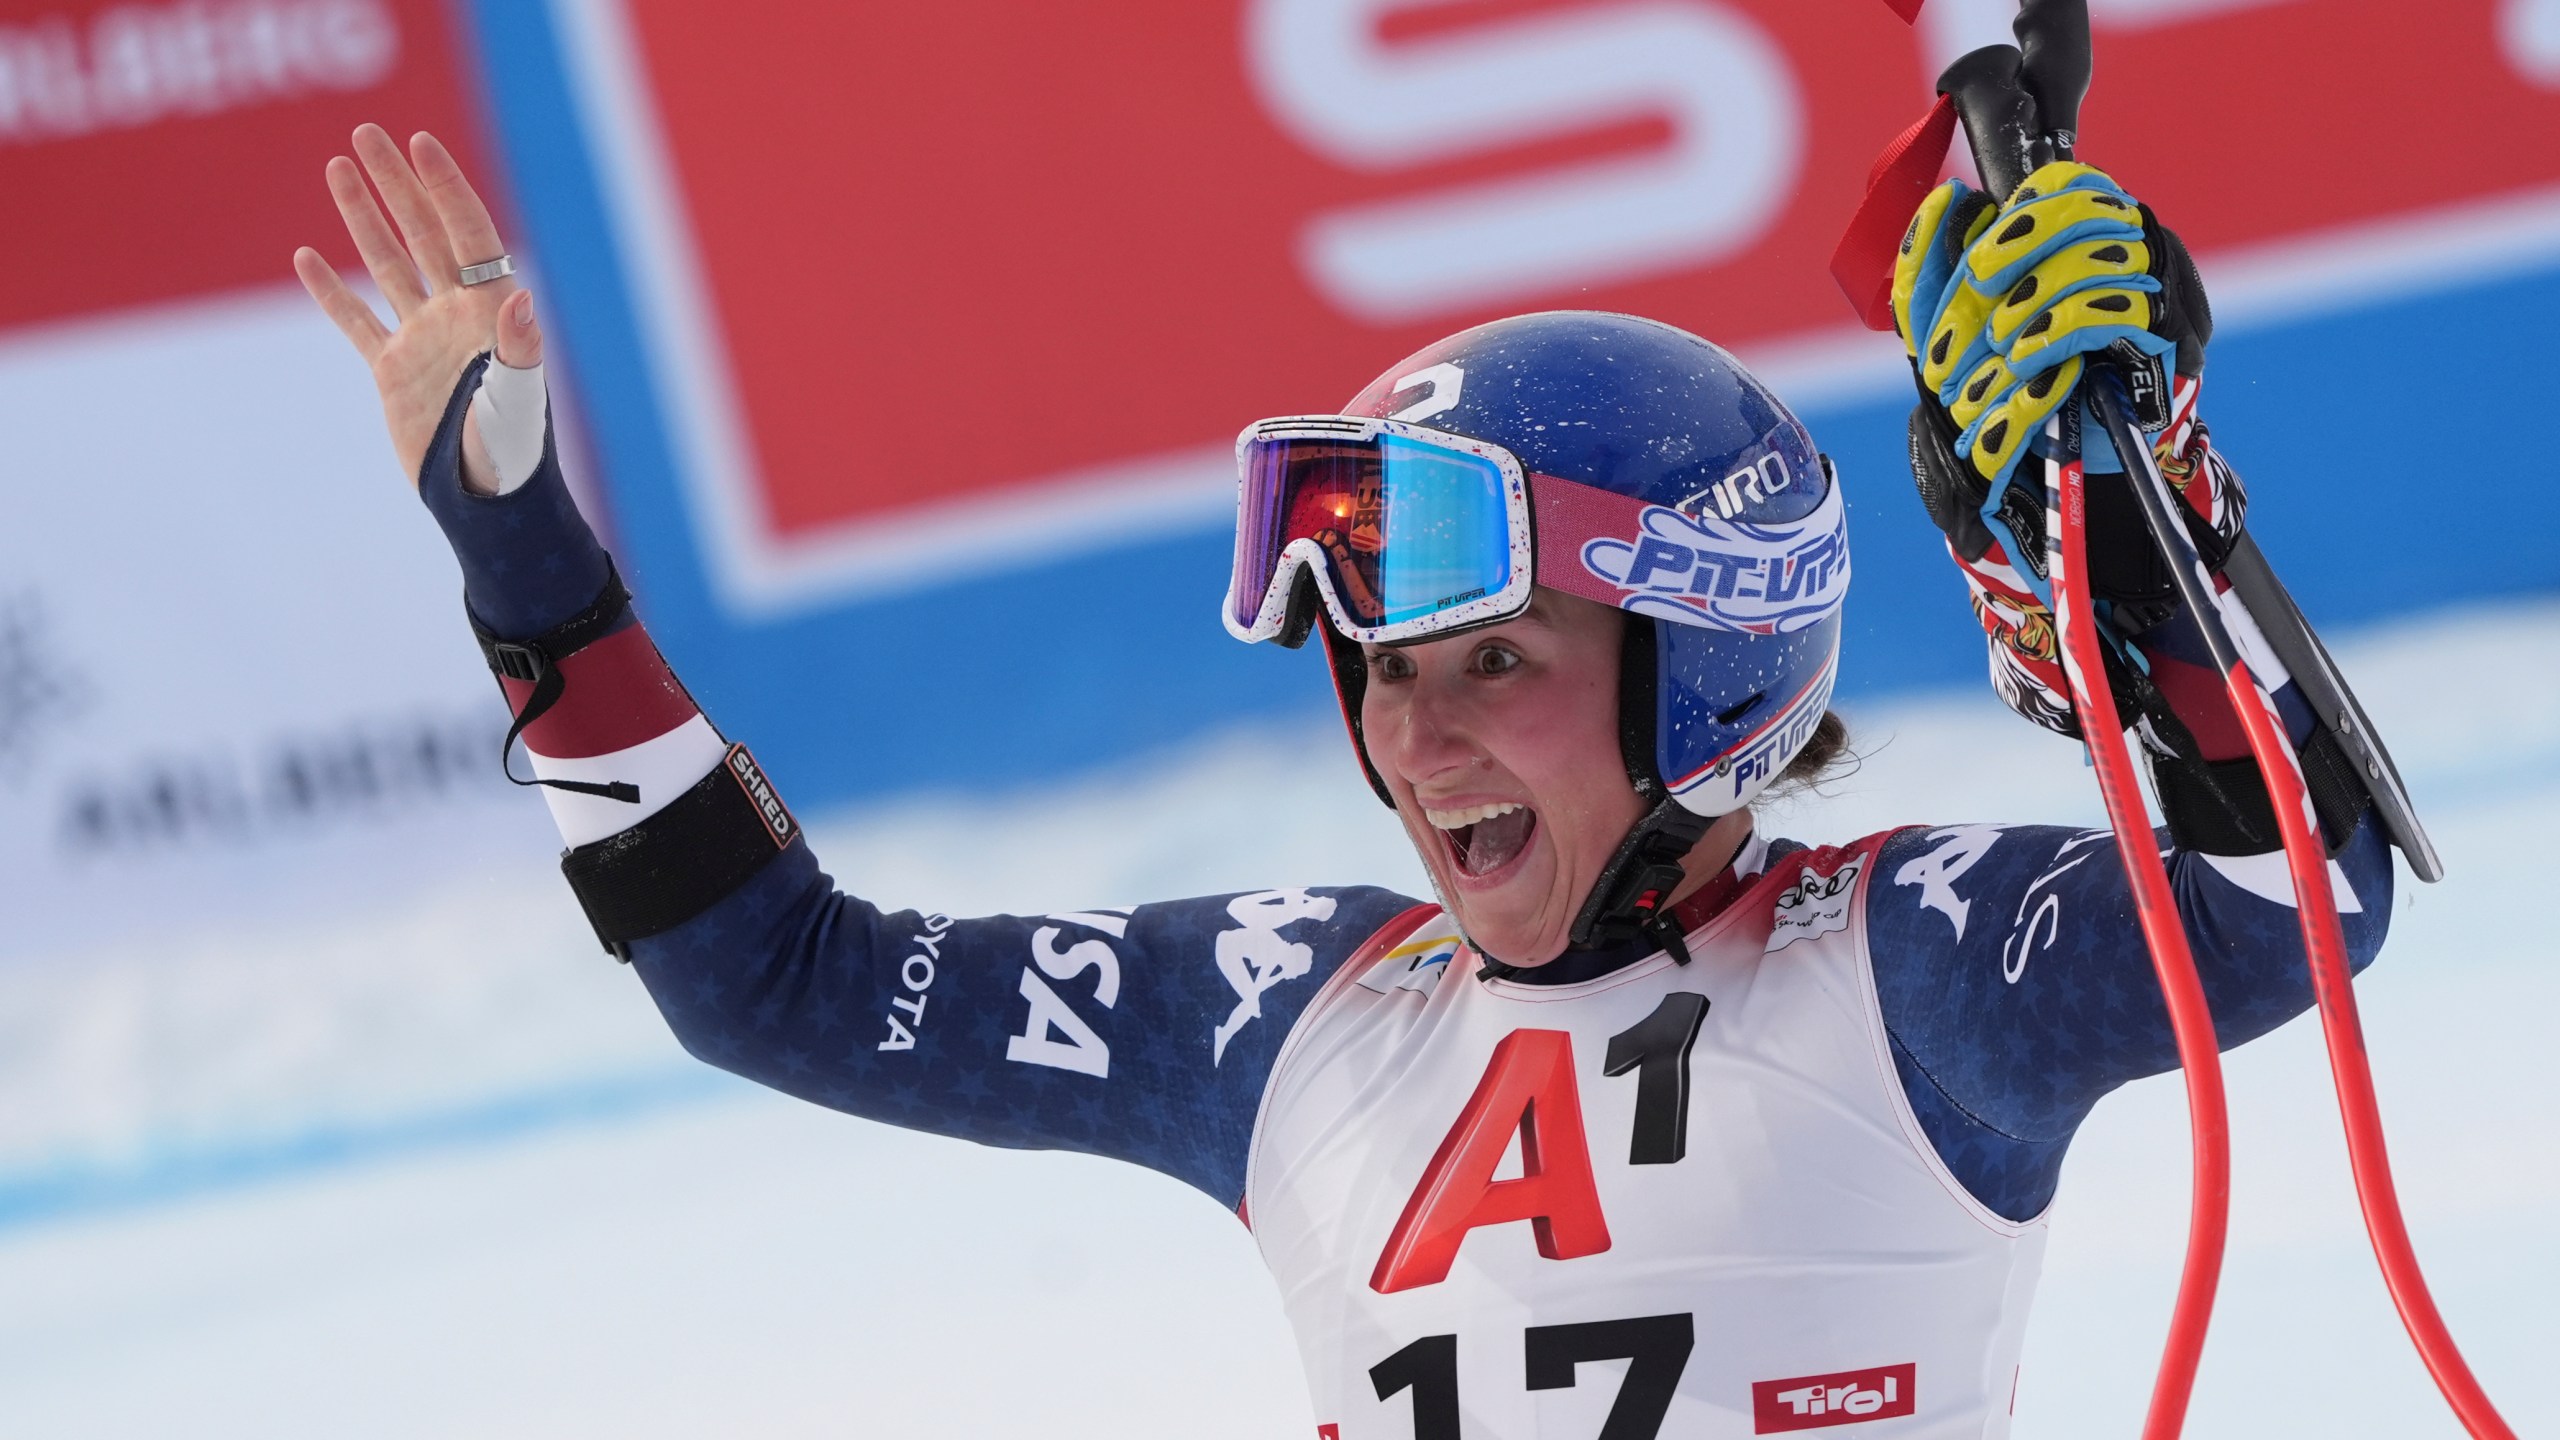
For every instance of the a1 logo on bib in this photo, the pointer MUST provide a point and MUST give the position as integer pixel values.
(1815, 905)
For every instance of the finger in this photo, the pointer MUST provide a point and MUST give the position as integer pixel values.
(519, 338)
(1985, 386)
(2108, 263)
(2000, 439)
(1956, 342)
(344, 307)
(467, 225)
(400, 189)
(2083, 322)
(384, 255)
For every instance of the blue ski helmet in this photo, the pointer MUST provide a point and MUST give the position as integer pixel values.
(1733, 574)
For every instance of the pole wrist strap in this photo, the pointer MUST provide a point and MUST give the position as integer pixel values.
(536, 662)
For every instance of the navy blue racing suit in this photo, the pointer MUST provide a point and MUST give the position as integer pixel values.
(2011, 974)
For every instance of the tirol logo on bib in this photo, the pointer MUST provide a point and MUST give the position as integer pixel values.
(1845, 1397)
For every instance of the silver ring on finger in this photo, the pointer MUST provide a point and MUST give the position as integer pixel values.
(488, 270)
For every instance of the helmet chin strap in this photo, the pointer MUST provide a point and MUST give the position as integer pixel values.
(1633, 893)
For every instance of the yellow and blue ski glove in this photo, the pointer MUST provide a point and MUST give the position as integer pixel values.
(1998, 306)
(2001, 307)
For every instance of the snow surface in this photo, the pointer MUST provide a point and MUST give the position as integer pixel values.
(439, 1171)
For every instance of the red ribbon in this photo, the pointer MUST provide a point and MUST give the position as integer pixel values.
(1901, 179)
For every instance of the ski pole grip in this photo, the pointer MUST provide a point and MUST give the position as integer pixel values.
(2053, 35)
(1999, 116)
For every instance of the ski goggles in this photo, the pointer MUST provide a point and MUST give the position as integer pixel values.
(1407, 532)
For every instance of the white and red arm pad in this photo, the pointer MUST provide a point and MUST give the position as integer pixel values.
(622, 714)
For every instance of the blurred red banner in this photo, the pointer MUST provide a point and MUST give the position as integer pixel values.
(961, 246)
(956, 248)
(157, 151)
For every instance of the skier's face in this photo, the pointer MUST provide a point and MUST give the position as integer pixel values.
(1500, 747)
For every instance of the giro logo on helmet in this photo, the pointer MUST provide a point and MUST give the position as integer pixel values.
(1747, 486)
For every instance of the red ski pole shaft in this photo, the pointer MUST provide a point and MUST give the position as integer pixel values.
(2009, 137)
(2054, 35)
(2190, 1017)
(2017, 115)
(2324, 939)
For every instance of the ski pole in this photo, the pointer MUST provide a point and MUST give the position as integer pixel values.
(2056, 34)
(2190, 1017)
(2000, 125)
(2005, 113)
(2323, 937)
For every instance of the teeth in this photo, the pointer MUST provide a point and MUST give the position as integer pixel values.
(1461, 819)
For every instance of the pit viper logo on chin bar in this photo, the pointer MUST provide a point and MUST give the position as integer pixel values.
(1738, 773)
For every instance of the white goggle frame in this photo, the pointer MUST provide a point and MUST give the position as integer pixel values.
(1305, 554)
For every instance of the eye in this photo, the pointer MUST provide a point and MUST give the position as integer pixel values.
(1496, 658)
(1389, 665)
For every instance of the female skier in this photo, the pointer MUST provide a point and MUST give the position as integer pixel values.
(1775, 1126)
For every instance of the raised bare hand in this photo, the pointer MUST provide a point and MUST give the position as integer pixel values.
(442, 323)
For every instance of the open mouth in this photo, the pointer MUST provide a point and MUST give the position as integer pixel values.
(1484, 838)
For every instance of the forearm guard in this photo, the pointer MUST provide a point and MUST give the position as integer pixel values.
(676, 864)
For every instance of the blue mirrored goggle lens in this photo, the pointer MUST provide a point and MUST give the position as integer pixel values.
(1448, 534)
(1408, 529)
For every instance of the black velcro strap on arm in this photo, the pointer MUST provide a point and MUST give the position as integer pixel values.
(2226, 814)
(536, 662)
(2226, 810)
(683, 860)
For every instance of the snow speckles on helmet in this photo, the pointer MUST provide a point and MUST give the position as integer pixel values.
(1628, 404)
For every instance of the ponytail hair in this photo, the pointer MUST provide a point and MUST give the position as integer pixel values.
(1825, 757)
